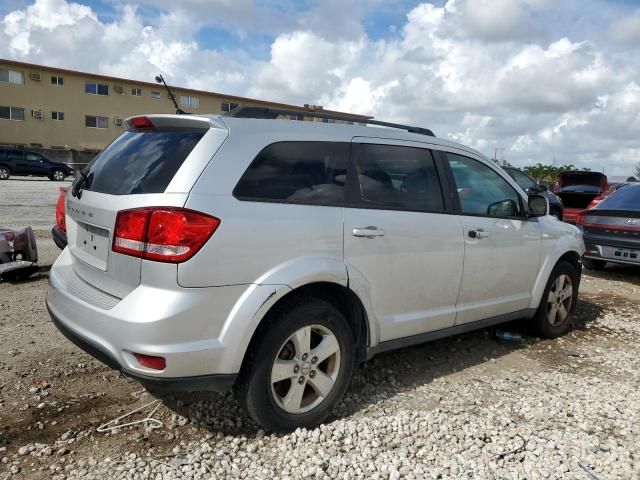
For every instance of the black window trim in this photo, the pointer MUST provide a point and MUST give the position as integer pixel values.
(352, 194)
(293, 202)
(454, 192)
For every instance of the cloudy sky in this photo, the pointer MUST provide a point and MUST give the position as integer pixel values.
(536, 78)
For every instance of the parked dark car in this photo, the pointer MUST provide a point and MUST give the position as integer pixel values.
(59, 230)
(611, 230)
(612, 188)
(530, 186)
(577, 189)
(24, 162)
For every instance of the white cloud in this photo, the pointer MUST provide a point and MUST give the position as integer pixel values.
(486, 73)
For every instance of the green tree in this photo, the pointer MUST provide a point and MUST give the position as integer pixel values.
(546, 173)
(637, 172)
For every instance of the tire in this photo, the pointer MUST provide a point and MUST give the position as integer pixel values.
(57, 175)
(594, 264)
(281, 354)
(5, 173)
(548, 321)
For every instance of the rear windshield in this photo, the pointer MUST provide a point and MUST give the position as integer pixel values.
(140, 162)
(627, 198)
(581, 178)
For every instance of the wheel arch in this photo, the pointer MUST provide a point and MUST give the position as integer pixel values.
(340, 296)
(570, 256)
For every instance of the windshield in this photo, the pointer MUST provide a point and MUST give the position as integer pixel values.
(523, 181)
(593, 179)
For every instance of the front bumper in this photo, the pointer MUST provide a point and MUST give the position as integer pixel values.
(185, 326)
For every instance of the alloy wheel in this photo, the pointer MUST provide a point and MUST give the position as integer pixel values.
(305, 369)
(559, 300)
(58, 175)
(4, 173)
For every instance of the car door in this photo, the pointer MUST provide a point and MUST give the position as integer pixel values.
(35, 164)
(17, 162)
(502, 246)
(401, 245)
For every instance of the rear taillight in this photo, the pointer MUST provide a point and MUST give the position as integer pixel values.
(163, 234)
(580, 219)
(60, 208)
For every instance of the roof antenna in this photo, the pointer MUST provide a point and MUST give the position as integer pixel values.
(160, 79)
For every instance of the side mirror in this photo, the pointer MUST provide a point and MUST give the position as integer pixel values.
(538, 206)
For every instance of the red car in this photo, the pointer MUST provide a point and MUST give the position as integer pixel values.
(59, 231)
(578, 189)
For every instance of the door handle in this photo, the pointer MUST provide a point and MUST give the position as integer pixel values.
(478, 233)
(368, 232)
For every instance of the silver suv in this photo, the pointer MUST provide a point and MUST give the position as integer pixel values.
(271, 256)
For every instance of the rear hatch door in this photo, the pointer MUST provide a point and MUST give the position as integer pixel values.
(577, 189)
(154, 166)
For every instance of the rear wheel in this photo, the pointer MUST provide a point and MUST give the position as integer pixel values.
(555, 313)
(4, 173)
(57, 175)
(300, 369)
(593, 264)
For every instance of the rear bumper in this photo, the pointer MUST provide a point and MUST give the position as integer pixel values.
(59, 237)
(194, 329)
(616, 251)
(215, 383)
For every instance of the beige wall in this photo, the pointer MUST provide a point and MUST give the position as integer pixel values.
(75, 103)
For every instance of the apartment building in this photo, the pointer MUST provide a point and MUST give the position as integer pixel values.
(71, 115)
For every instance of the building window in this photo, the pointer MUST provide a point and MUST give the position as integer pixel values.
(189, 101)
(11, 76)
(58, 81)
(155, 94)
(297, 117)
(57, 115)
(228, 106)
(92, 121)
(136, 92)
(12, 113)
(96, 89)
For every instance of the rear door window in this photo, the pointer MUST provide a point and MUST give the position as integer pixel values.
(310, 173)
(140, 162)
(397, 178)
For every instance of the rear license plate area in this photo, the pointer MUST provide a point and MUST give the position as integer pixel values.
(624, 254)
(92, 245)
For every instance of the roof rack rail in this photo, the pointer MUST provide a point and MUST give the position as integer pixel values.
(243, 111)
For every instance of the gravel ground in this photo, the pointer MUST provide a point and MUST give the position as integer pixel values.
(471, 406)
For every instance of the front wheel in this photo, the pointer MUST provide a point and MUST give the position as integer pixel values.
(554, 315)
(4, 173)
(57, 175)
(300, 369)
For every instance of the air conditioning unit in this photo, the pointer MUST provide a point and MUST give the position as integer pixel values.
(118, 121)
(118, 89)
(37, 113)
(36, 77)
